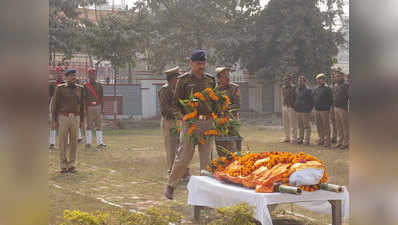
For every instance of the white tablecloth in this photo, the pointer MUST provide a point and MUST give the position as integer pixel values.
(207, 191)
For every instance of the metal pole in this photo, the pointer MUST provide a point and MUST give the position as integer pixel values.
(114, 98)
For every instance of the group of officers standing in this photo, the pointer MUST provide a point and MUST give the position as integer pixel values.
(181, 87)
(299, 103)
(328, 105)
(72, 106)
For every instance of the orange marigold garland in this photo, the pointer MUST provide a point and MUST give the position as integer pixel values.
(191, 115)
(191, 129)
(245, 164)
(199, 96)
(217, 102)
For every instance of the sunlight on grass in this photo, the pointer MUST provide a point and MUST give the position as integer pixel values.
(131, 173)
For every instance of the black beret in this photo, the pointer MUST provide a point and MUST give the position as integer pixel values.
(198, 55)
(69, 72)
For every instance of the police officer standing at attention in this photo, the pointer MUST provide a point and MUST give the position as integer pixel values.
(232, 90)
(193, 81)
(59, 72)
(170, 114)
(68, 111)
(323, 100)
(303, 105)
(340, 100)
(289, 113)
(333, 126)
(94, 94)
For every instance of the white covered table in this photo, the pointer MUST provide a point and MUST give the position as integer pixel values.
(209, 192)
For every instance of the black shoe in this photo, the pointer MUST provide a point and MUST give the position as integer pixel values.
(169, 192)
(186, 176)
(72, 170)
(79, 140)
(101, 146)
(88, 146)
(63, 171)
(299, 142)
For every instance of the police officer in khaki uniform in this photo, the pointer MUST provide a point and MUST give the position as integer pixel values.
(340, 100)
(169, 114)
(288, 111)
(59, 79)
(303, 105)
(233, 92)
(323, 100)
(68, 111)
(94, 93)
(333, 126)
(193, 81)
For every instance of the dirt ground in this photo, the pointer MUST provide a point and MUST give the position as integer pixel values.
(131, 173)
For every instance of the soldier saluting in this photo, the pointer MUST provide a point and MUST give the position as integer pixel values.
(193, 81)
(68, 111)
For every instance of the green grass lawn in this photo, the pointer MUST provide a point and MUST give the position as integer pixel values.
(132, 174)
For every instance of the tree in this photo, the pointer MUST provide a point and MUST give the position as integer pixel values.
(64, 28)
(86, 3)
(177, 27)
(292, 36)
(113, 39)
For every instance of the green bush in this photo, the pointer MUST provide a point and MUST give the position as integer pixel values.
(161, 215)
(240, 214)
(77, 217)
(155, 216)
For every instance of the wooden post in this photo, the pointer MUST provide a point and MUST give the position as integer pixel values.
(337, 216)
(196, 212)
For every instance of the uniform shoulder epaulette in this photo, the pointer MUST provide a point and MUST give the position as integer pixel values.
(165, 85)
(79, 85)
(183, 75)
(62, 85)
(210, 76)
(235, 85)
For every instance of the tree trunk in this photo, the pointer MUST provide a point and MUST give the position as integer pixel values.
(95, 12)
(130, 76)
(54, 58)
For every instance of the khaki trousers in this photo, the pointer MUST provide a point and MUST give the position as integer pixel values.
(170, 142)
(333, 127)
(68, 126)
(289, 123)
(342, 125)
(304, 126)
(323, 126)
(186, 150)
(94, 117)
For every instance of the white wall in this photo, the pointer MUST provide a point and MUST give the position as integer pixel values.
(149, 96)
(256, 97)
(277, 97)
